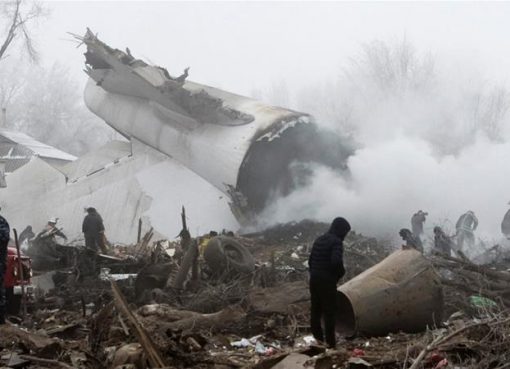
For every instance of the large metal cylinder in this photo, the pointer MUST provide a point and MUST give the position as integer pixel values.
(401, 293)
(242, 146)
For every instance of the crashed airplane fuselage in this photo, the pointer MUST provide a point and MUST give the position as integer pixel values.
(247, 149)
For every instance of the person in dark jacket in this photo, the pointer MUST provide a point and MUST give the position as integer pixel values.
(4, 241)
(442, 242)
(326, 267)
(411, 240)
(93, 230)
(26, 234)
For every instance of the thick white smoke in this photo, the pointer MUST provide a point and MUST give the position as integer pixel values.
(428, 139)
(392, 180)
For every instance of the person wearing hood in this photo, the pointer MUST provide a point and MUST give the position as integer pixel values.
(93, 230)
(326, 267)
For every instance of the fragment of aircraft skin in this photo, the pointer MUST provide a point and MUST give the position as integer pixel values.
(225, 138)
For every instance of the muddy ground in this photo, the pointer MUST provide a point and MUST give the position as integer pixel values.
(251, 320)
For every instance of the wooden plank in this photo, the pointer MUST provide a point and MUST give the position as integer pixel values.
(150, 350)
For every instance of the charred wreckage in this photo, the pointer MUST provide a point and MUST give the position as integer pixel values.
(246, 149)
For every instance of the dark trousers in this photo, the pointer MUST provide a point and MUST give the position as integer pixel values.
(96, 242)
(323, 295)
(3, 266)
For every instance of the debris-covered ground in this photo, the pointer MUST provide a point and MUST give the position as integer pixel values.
(178, 311)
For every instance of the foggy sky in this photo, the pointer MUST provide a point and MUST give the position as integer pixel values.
(245, 46)
(241, 46)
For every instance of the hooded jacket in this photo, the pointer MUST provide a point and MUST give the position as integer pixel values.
(326, 259)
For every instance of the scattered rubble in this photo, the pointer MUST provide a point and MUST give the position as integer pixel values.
(255, 318)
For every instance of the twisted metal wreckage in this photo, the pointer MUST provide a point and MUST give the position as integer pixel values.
(184, 138)
(242, 146)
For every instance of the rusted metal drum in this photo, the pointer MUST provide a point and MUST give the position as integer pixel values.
(401, 293)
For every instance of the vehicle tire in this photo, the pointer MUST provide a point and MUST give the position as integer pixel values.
(225, 253)
(13, 302)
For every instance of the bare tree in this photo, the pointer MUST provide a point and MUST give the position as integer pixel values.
(391, 68)
(489, 109)
(19, 15)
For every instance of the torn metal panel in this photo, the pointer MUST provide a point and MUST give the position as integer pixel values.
(17, 148)
(104, 65)
(125, 182)
(240, 145)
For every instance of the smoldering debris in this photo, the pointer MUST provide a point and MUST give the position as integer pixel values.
(249, 319)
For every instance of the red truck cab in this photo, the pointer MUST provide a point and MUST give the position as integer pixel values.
(13, 280)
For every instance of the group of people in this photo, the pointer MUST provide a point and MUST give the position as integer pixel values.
(43, 244)
(464, 235)
(326, 265)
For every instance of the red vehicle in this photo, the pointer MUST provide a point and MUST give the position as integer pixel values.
(13, 281)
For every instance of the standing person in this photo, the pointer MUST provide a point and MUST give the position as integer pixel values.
(505, 224)
(442, 242)
(4, 241)
(417, 221)
(93, 230)
(466, 226)
(326, 268)
(411, 239)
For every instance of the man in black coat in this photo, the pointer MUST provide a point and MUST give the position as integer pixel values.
(93, 230)
(326, 268)
(4, 241)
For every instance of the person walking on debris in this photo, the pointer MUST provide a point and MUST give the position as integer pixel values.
(4, 241)
(411, 240)
(50, 232)
(442, 243)
(93, 230)
(505, 224)
(43, 248)
(417, 221)
(466, 225)
(326, 267)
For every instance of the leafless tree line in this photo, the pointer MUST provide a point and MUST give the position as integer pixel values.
(18, 16)
(385, 81)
